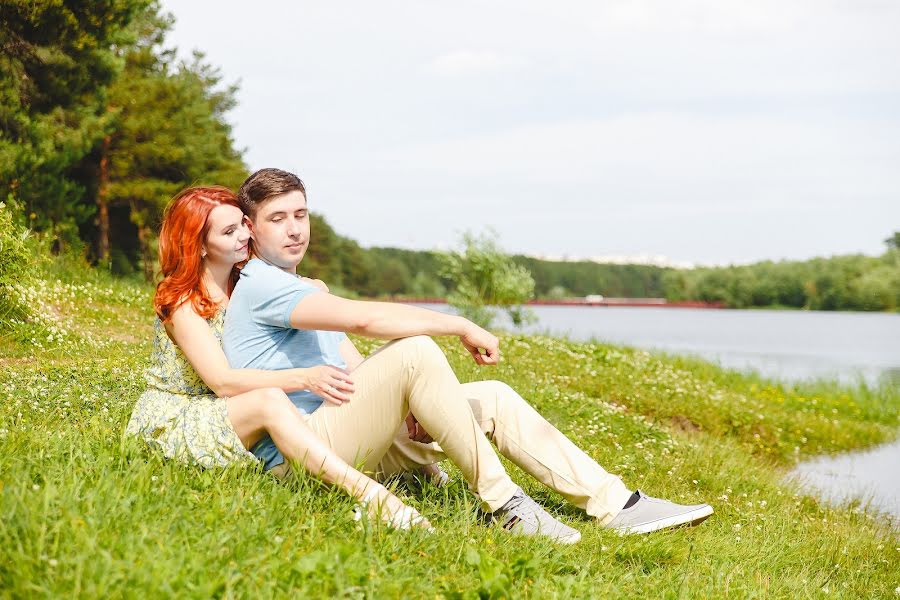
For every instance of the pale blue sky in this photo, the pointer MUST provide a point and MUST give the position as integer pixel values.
(705, 131)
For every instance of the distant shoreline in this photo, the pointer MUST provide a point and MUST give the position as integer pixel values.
(633, 303)
(618, 302)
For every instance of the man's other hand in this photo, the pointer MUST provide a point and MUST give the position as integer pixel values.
(417, 433)
(476, 339)
(333, 384)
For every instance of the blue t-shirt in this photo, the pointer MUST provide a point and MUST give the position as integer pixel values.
(258, 335)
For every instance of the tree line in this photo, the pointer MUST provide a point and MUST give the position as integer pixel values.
(851, 282)
(101, 124)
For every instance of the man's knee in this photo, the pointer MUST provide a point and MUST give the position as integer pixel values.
(420, 347)
(501, 389)
(417, 342)
(493, 391)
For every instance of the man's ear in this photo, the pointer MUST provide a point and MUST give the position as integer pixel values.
(249, 224)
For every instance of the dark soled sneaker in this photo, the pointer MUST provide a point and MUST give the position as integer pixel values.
(650, 514)
(523, 516)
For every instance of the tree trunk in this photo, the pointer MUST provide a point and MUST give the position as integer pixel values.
(103, 204)
(146, 257)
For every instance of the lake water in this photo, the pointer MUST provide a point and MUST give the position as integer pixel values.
(872, 476)
(785, 345)
(788, 345)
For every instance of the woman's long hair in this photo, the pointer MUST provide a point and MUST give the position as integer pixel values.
(184, 228)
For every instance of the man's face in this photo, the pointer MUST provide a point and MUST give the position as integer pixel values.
(280, 230)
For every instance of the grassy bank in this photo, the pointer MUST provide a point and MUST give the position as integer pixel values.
(86, 513)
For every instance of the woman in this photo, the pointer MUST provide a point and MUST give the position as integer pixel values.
(196, 408)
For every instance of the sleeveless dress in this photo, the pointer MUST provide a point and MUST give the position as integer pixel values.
(179, 414)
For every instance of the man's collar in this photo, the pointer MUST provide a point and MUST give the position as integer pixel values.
(264, 261)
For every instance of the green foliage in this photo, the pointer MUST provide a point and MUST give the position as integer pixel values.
(423, 278)
(425, 285)
(98, 119)
(16, 269)
(484, 276)
(167, 132)
(498, 579)
(583, 278)
(853, 282)
(55, 64)
(893, 242)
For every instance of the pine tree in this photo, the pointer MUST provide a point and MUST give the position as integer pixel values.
(168, 132)
(56, 58)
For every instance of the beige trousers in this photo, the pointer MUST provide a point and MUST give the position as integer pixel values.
(523, 436)
(413, 375)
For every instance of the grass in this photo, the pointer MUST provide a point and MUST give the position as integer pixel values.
(87, 513)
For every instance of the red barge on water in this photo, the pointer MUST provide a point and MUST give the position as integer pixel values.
(589, 301)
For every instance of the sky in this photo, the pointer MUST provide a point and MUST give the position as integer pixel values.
(703, 131)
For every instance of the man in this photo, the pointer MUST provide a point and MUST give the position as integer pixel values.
(277, 320)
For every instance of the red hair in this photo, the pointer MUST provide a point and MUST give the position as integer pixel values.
(184, 228)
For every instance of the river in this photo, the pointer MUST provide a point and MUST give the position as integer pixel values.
(782, 344)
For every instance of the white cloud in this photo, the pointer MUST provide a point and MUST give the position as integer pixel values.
(472, 62)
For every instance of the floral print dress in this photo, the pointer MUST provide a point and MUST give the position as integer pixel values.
(179, 414)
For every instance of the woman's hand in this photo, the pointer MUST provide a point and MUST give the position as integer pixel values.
(381, 504)
(474, 338)
(333, 384)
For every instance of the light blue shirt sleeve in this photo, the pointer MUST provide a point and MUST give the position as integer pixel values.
(276, 297)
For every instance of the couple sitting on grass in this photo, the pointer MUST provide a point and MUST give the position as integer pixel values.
(250, 361)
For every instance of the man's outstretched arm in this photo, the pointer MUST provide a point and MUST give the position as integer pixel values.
(388, 321)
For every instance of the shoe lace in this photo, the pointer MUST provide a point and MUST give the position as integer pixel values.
(522, 507)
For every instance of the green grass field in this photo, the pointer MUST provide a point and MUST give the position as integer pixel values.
(86, 513)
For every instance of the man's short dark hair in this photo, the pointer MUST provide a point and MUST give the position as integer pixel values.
(266, 184)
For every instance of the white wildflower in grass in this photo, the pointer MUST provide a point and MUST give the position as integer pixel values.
(736, 526)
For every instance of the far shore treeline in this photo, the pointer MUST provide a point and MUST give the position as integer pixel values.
(101, 123)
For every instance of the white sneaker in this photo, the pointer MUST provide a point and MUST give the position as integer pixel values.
(523, 516)
(405, 518)
(650, 514)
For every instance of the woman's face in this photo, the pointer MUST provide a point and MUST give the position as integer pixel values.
(228, 237)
